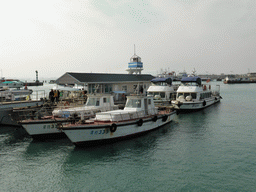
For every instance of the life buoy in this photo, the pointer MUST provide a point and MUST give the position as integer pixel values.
(154, 119)
(113, 128)
(140, 122)
(204, 87)
(164, 118)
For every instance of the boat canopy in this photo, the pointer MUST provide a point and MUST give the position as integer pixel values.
(162, 79)
(196, 79)
(11, 82)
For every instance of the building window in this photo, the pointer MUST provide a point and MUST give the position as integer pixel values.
(108, 88)
(124, 88)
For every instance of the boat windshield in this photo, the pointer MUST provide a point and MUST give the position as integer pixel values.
(189, 84)
(162, 94)
(133, 103)
(93, 102)
(193, 95)
(159, 84)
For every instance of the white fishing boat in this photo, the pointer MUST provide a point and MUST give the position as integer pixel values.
(162, 90)
(139, 116)
(192, 95)
(46, 126)
(12, 98)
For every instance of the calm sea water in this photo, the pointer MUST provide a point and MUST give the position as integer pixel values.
(209, 150)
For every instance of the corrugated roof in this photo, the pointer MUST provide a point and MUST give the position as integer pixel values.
(103, 77)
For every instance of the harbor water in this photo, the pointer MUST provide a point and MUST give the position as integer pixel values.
(210, 150)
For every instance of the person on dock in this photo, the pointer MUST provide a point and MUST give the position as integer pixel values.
(51, 96)
(56, 96)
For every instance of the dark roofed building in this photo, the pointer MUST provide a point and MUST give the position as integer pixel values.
(81, 78)
(106, 83)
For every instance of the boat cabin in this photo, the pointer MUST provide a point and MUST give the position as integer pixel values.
(140, 103)
(104, 101)
(191, 88)
(136, 107)
(95, 103)
(161, 88)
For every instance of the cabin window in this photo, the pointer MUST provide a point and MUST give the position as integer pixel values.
(186, 94)
(180, 94)
(91, 102)
(98, 102)
(162, 94)
(193, 95)
(149, 101)
(208, 94)
(133, 103)
(124, 88)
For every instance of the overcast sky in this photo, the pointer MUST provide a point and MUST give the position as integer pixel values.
(58, 36)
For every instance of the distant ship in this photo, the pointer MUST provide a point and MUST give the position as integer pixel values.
(232, 79)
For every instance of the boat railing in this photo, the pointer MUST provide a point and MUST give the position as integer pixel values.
(37, 112)
(12, 98)
(38, 95)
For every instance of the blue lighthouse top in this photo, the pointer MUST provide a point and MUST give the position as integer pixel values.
(135, 62)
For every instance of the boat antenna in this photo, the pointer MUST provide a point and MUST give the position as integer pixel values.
(134, 50)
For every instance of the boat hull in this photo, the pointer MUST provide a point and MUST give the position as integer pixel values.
(90, 135)
(7, 116)
(44, 128)
(195, 106)
(238, 81)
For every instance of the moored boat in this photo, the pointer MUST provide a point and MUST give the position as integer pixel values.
(162, 90)
(46, 126)
(232, 79)
(11, 83)
(192, 95)
(15, 98)
(139, 116)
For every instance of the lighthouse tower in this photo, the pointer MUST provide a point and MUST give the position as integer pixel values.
(135, 65)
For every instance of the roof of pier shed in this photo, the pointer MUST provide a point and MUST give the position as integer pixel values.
(80, 78)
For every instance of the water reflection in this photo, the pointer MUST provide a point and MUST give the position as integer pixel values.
(198, 125)
(136, 147)
(12, 135)
(51, 146)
